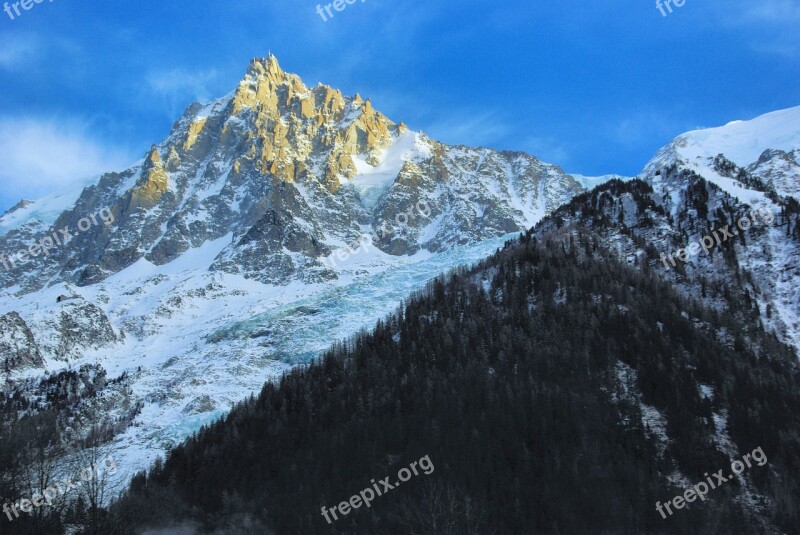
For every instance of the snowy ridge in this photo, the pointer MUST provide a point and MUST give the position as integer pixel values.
(741, 142)
(759, 151)
(590, 182)
(45, 211)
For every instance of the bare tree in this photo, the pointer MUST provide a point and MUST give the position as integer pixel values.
(30, 472)
(93, 472)
(441, 510)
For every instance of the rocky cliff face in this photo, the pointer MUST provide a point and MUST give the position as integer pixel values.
(55, 333)
(779, 170)
(18, 349)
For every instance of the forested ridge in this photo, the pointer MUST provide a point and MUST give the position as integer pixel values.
(507, 375)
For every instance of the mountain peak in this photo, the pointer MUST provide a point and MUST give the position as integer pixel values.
(755, 144)
(742, 142)
(267, 66)
(21, 204)
(261, 86)
(276, 149)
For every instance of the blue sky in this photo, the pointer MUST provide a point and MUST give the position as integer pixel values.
(596, 87)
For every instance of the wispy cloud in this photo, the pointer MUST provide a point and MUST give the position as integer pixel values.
(774, 21)
(468, 127)
(40, 156)
(642, 125)
(17, 51)
(772, 11)
(178, 87)
(547, 149)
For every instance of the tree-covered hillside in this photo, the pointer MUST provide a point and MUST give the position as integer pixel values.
(531, 381)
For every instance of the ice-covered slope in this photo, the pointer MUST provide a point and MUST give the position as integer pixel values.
(196, 342)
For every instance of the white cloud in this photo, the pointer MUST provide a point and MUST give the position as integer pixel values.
(43, 156)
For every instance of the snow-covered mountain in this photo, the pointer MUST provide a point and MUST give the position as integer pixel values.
(709, 178)
(684, 352)
(280, 218)
(285, 175)
(767, 147)
(268, 224)
(734, 187)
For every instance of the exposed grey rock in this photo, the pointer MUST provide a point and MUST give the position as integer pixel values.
(73, 327)
(779, 169)
(18, 349)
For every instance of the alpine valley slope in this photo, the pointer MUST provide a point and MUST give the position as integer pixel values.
(224, 267)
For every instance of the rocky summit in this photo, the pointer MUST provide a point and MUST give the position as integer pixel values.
(287, 174)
